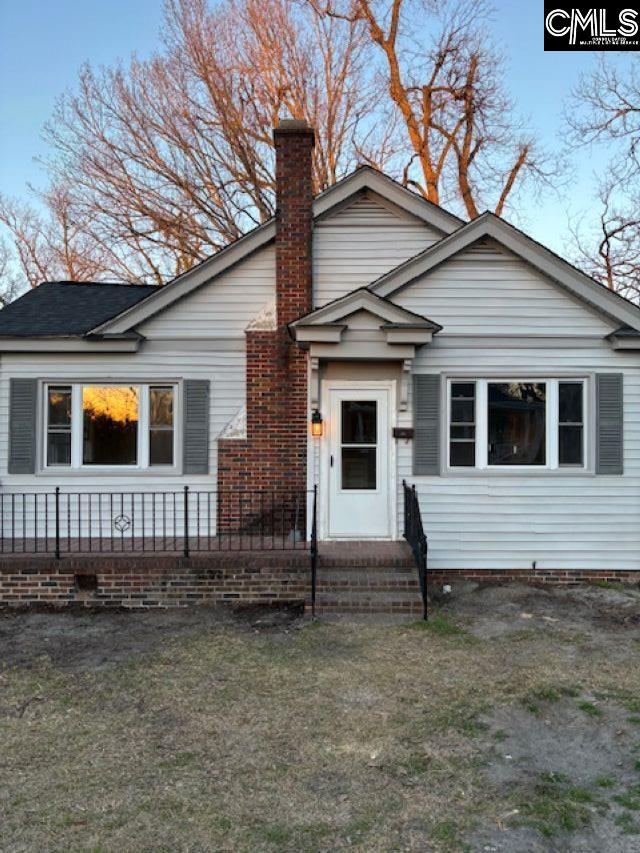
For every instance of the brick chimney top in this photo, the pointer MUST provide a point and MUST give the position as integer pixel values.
(293, 125)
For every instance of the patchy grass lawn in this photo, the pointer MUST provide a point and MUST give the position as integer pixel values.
(510, 722)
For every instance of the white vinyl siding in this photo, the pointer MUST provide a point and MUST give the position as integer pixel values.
(361, 242)
(563, 519)
(487, 290)
(222, 307)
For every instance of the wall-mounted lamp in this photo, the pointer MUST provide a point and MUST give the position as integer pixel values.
(316, 424)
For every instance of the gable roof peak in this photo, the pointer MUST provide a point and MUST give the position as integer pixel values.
(556, 268)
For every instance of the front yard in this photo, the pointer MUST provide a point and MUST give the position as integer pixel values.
(510, 723)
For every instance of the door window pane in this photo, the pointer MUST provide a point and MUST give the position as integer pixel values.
(517, 414)
(462, 429)
(110, 425)
(161, 425)
(570, 423)
(359, 421)
(359, 467)
(59, 425)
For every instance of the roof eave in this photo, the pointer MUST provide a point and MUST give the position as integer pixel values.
(70, 343)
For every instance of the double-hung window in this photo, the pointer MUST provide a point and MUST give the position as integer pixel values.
(108, 425)
(502, 424)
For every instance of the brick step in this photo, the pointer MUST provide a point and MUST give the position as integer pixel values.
(340, 579)
(407, 608)
(360, 601)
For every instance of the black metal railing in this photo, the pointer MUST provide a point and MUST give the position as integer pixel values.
(415, 536)
(314, 550)
(184, 521)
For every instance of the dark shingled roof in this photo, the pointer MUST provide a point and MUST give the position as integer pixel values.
(68, 308)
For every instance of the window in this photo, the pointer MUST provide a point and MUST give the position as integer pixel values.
(110, 415)
(462, 428)
(59, 425)
(508, 423)
(570, 423)
(517, 415)
(359, 443)
(161, 426)
(105, 425)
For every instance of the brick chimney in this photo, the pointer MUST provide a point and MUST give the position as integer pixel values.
(273, 456)
(293, 140)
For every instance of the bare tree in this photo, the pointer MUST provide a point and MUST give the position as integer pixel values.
(165, 161)
(609, 249)
(605, 108)
(445, 81)
(54, 245)
(9, 280)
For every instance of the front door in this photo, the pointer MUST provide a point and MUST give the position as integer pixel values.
(359, 464)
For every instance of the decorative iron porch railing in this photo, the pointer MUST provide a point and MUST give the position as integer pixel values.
(415, 536)
(184, 521)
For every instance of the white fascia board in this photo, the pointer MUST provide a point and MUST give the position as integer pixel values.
(82, 345)
(624, 343)
(408, 336)
(488, 225)
(329, 333)
(191, 280)
(359, 351)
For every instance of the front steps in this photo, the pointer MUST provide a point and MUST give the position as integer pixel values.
(367, 577)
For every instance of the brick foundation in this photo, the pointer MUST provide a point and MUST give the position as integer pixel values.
(144, 581)
(155, 581)
(547, 577)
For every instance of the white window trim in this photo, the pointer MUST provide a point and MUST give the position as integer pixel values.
(77, 467)
(552, 465)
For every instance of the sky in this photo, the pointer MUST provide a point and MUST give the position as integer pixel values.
(44, 43)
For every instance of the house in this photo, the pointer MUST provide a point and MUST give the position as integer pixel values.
(359, 339)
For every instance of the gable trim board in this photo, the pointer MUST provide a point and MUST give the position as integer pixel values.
(362, 179)
(544, 260)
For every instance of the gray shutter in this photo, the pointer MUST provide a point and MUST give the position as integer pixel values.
(195, 438)
(23, 397)
(426, 421)
(609, 415)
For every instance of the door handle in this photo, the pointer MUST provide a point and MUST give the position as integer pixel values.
(331, 460)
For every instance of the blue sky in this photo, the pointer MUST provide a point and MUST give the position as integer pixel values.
(43, 44)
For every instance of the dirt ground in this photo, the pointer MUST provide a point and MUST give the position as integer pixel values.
(510, 722)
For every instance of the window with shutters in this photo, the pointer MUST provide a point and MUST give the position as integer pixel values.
(109, 425)
(517, 423)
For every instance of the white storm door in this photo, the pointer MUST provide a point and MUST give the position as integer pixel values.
(358, 469)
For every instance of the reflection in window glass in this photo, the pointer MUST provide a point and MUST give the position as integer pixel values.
(359, 421)
(359, 467)
(161, 426)
(110, 425)
(59, 425)
(517, 431)
(570, 423)
(462, 436)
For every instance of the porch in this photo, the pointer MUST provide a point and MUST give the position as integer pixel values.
(162, 549)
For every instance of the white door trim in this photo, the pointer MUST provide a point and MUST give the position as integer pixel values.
(347, 385)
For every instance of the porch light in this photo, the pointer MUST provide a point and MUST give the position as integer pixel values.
(316, 424)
